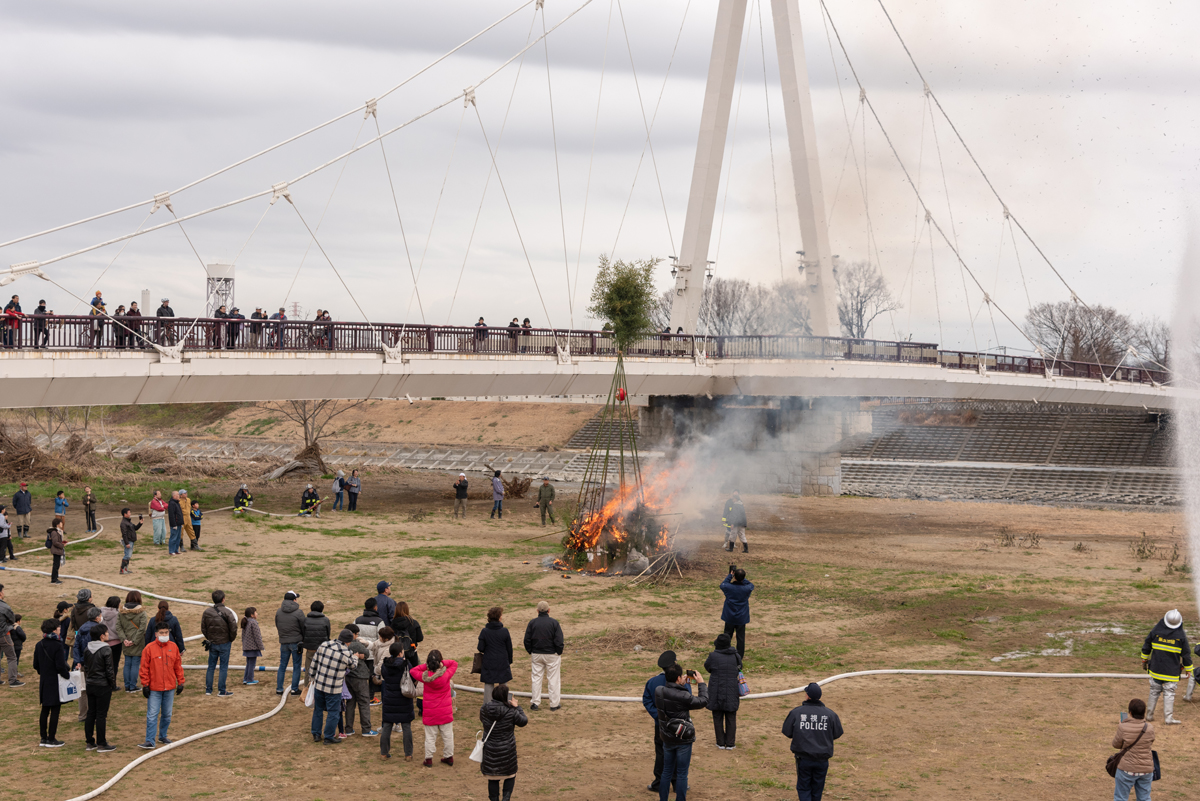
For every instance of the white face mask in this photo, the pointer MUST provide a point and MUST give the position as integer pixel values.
(164, 637)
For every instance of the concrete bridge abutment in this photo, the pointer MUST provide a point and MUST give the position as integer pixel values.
(772, 444)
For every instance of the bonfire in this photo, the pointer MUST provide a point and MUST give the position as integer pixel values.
(617, 527)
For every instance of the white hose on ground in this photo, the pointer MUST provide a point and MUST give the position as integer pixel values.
(162, 749)
(884, 672)
(567, 697)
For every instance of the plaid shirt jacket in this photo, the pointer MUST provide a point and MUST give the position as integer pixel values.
(330, 664)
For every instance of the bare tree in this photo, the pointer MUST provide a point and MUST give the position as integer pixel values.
(1152, 338)
(1071, 331)
(733, 307)
(788, 310)
(49, 422)
(863, 295)
(312, 415)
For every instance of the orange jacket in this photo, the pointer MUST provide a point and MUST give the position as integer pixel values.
(162, 668)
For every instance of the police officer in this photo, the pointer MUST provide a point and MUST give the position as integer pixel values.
(812, 728)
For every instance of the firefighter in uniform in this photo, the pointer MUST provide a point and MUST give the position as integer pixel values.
(1164, 653)
(734, 519)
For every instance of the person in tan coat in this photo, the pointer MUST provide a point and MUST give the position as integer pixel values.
(186, 505)
(1135, 771)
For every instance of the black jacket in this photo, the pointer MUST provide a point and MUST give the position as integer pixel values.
(172, 624)
(723, 666)
(129, 531)
(543, 635)
(165, 311)
(460, 489)
(735, 513)
(500, 750)
(316, 630)
(50, 662)
(397, 708)
(813, 727)
(674, 703)
(1167, 650)
(289, 623)
(22, 502)
(408, 627)
(218, 624)
(98, 669)
(174, 514)
(495, 644)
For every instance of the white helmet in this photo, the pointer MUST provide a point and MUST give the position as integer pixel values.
(309, 486)
(1173, 619)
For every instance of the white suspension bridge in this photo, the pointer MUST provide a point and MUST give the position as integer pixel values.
(119, 359)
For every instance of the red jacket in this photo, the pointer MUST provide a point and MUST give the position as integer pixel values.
(162, 668)
(439, 706)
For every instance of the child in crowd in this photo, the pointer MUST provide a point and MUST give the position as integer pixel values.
(60, 504)
(252, 641)
(197, 515)
(18, 637)
(64, 623)
(5, 539)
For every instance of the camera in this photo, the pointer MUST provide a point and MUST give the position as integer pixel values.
(693, 674)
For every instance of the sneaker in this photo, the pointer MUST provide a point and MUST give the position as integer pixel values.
(730, 747)
(41, 742)
(371, 733)
(294, 692)
(332, 742)
(91, 747)
(720, 748)
(16, 684)
(316, 738)
(227, 694)
(165, 740)
(56, 582)
(448, 761)
(556, 708)
(347, 733)
(249, 683)
(279, 692)
(208, 692)
(104, 749)
(54, 743)
(534, 707)
(427, 763)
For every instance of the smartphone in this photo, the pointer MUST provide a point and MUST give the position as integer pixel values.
(1124, 716)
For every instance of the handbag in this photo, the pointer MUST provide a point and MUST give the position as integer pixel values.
(477, 751)
(310, 696)
(477, 663)
(743, 687)
(70, 689)
(1157, 767)
(681, 729)
(408, 687)
(1113, 760)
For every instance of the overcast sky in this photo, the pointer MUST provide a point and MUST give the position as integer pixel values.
(1082, 113)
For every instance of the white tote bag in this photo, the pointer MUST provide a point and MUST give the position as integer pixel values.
(70, 689)
(310, 694)
(477, 751)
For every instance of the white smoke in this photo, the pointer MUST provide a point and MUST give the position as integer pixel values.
(1185, 366)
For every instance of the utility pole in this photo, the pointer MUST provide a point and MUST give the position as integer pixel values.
(295, 310)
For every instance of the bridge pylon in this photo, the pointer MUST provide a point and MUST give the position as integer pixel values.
(816, 264)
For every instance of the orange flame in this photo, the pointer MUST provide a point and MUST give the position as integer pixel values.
(607, 526)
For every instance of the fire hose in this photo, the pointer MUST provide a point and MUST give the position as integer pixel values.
(568, 697)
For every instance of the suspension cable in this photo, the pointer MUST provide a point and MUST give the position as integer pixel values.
(278, 145)
(908, 176)
(513, 214)
(649, 124)
(399, 219)
(562, 215)
(491, 169)
(1012, 217)
(592, 156)
(319, 168)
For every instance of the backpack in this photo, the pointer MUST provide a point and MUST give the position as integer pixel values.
(50, 539)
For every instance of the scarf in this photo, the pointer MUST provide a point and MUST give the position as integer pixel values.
(433, 675)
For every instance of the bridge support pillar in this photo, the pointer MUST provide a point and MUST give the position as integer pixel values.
(758, 444)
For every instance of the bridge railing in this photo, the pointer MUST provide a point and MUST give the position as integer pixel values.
(83, 332)
(1000, 363)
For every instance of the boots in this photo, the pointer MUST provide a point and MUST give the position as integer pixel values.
(124, 566)
(745, 547)
(1168, 709)
(1150, 709)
